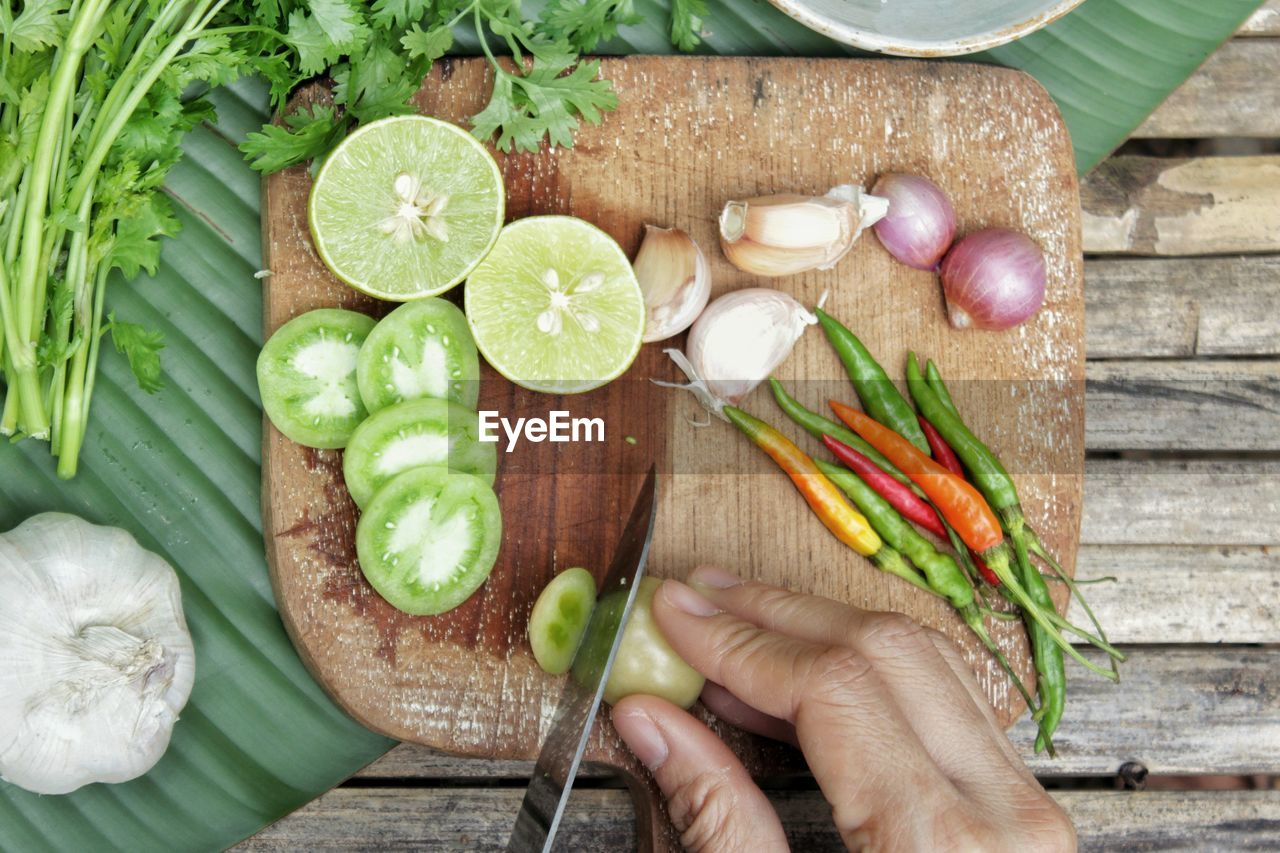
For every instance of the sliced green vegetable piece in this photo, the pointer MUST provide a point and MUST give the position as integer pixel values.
(645, 662)
(307, 376)
(408, 435)
(560, 617)
(429, 539)
(421, 349)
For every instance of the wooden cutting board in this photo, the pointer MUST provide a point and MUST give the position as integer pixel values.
(689, 134)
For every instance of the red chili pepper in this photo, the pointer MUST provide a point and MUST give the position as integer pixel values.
(959, 502)
(899, 496)
(941, 450)
(947, 459)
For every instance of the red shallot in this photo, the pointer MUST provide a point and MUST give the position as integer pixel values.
(993, 279)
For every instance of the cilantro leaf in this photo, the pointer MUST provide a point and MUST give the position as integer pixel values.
(377, 82)
(136, 245)
(333, 29)
(547, 102)
(41, 24)
(315, 50)
(686, 23)
(391, 14)
(267, 12)
(341, 22)
(502, 115)
(307, 134)
(142, 349)
(427, 44)
(585, 23)
(56, 348)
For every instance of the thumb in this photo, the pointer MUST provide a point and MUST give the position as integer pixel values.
(712, 801)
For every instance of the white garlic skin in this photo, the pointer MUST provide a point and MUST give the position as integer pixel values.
(675, 279)
(742, 337)
(95, 657)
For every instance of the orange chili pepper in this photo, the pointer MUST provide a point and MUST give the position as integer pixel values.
(961, 504)
(823, 497)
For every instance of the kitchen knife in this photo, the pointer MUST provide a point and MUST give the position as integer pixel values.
(557, 765)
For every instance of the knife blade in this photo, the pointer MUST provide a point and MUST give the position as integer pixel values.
(561, 754)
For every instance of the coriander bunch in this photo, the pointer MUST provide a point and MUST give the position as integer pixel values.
(377, 55)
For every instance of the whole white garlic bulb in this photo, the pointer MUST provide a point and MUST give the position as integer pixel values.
(95, 657)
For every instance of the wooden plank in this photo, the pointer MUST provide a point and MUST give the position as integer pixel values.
(1182, 307)
(1264, 22)
(1182, 405)
(479, 819)
(1174, 206)
(1174, 820)
(1235, 93)
(1173, 594)
(1178, 709)
(1168, 502)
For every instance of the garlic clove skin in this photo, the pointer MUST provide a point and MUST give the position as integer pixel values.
(739, 340)
(675, 279)
(787, 234)
(95, 657)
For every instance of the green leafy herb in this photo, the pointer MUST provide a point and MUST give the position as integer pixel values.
(686, 23)
(141, 347)
(96, 95)
(307, 133)
(378, 53)
(583, 24)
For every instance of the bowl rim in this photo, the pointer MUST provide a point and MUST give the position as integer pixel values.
(864, 39)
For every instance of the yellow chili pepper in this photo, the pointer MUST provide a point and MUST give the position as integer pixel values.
(823, 497)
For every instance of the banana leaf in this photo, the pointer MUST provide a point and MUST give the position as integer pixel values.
(180, 469)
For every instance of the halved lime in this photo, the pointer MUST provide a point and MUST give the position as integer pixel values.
(405, 207)
(555, 306)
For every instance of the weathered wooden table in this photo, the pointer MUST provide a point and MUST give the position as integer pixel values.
(1182, 506)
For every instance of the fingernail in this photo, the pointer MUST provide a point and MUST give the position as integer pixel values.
(714, 577)
(643, 737)
(686, 600)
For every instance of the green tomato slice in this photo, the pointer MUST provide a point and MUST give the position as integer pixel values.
(307, 377)
(409, 435)
(429, 539)
(421, 349)
(560, 617)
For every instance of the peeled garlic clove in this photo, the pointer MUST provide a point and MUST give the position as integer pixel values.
(739, 340)
(786, 234)
(675, 278)
(95, 657)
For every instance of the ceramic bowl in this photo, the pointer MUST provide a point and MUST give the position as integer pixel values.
(925, 27)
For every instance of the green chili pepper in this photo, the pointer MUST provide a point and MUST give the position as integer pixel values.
(818, 426)
(880, 397)
(944, 576)
(934, 378)
(984, 468)
(937, 406)
(1051, 670)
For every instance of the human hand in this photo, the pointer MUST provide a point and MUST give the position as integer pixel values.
(891, 720)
